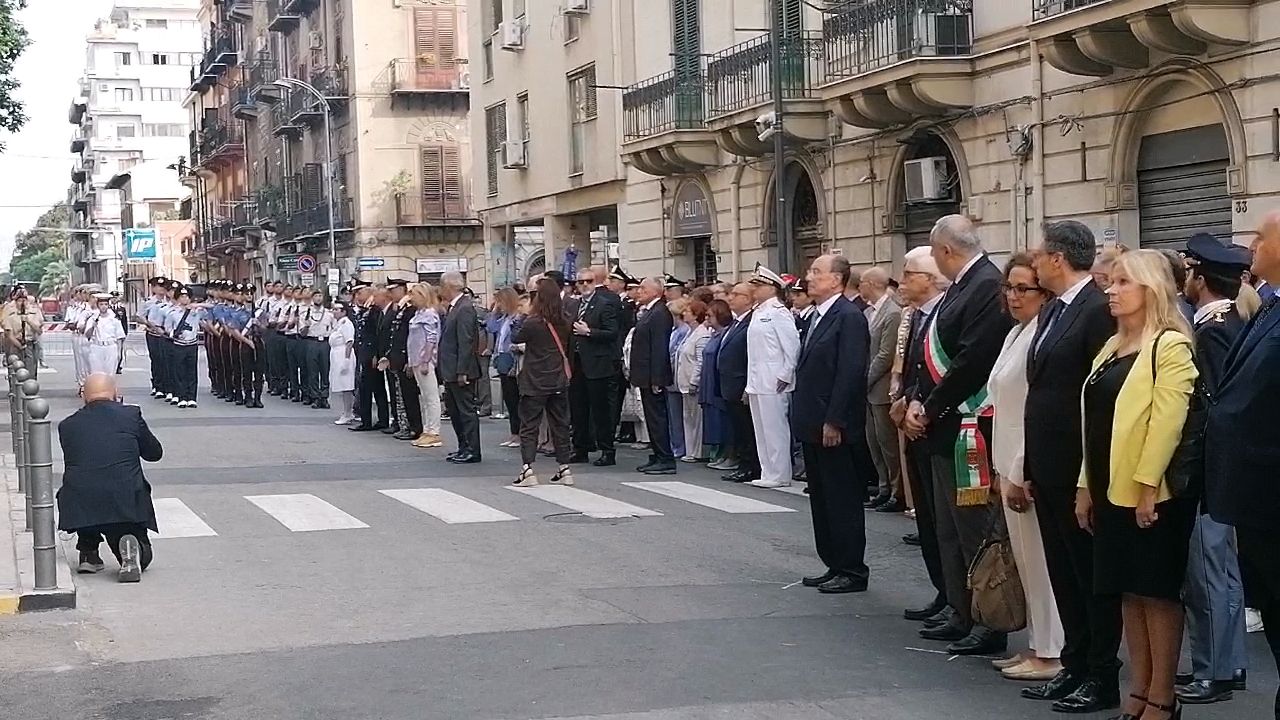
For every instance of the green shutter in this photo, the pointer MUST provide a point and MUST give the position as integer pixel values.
(687, 60)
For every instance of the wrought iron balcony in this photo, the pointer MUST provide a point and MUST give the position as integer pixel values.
(221, 235)
(244, 214)
(671, 101)
(331, 81)
(242, 104)
(221, 138)
(77, 143)
(409, 76)
(301, 7)
(418, 210)
(77, 173)
(1041, 9)
(868, 36)
(193, 149)
(269, 205)
(282, 121)
(314, 220)
(281, 19)
(239, 10)
(741, 77)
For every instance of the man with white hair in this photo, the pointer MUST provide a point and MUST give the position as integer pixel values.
(460, 367)
(948, 407)
(884, 316)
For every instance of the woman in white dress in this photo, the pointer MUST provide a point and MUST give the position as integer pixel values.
(1007, 389)
(104, 336)
(342, 363)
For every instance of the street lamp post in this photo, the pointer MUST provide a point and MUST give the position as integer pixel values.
(294, 83)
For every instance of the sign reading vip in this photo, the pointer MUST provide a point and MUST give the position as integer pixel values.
(140, 243)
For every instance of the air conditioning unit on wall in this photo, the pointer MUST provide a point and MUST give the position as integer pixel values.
(512, 32)
(926, 180)
(577, 7)
(513, 155)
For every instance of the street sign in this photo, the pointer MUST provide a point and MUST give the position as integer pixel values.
(287, 261)
(334, 276)
(306, 263)
(371, 263)
(140, 244)
(427, 266)
(308, 279)
(333, 290)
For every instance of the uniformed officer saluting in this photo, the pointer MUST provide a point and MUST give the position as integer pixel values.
(148, 313)
(182, 325)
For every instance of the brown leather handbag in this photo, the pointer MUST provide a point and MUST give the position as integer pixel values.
(999, 601)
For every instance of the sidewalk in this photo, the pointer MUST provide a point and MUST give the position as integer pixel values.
(17, 553)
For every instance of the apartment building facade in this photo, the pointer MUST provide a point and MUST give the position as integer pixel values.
(1148, 120)
(547, 132)
(333, 109)
(127, 113)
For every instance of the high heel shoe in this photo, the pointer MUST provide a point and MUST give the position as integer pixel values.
(1174, 710)
(1129, 716)
(563, 476)
(527, 478)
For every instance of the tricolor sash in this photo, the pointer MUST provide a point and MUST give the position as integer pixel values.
(972, 456)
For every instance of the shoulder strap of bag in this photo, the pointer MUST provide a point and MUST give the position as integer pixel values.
(1155, 346)
(181, 322)
(564, 357)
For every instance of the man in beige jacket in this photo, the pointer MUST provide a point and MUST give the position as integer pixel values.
(23, 322)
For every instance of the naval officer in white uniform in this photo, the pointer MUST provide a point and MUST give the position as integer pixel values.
(773, 349)
(104, 337)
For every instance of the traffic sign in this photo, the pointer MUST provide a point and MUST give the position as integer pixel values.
(287, 261)
(308, 279)
(333, 290)
(140, 244)
(371, 263)
(306, 263)
(334, 276)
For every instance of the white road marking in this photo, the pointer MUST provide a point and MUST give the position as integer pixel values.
(449, 507)
(707, 497)
(304, 512)
(587, 503)
(797, 490)
(176, 520)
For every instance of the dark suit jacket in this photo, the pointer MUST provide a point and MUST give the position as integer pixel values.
(458, 336)
(1242, 439)
(971, 327)
(1055, 377)
(398, 347)
(732, 360)
(599, 352)
(831, 377)
(367, 324)
(1214, 338)
(103, 446)
(382, 341)
(650, 356)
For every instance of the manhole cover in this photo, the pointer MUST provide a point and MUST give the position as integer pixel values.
(580, 519)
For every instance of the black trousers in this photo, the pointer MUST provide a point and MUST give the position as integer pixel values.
(1092, 625)
(620, 387)
(373, 389)
(186, 362)
(462, 404)
(157, 363)
(511, 401)
(271, 344)
(835, 499)
(409, 393)
(295, 365)
(89, 539)
(211, 359)
(591, 411)
(253, 369)
(655, 419)
(163, 358)
(315, 369)
(555, 410)
(920, 475)
(744, 437)
(1260, 570)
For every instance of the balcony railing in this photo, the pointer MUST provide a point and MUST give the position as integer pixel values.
(741, 77)
(270, 205)
(281, 19)
(671, 101)
(866, 37)
(1041, 9)
(411, 76)
(331, 81)
(221, 233)
(314, 220)
(262, 72)
(242, 104)
(240, 10)
(416, 210)
(283, 122)
(244, 213)
(219, 137)
(78, 143)
(193, 149)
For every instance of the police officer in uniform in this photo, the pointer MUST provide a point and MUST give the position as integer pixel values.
(148, 311)
(317, 323)
(1213, 593)
(371, 384)
(294, 350)
(214, 340)
(262, 312)
(182, 324)
(620, 283)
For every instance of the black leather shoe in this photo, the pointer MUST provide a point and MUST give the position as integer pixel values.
(647, 465)
(742, 476)
(1092, 696)
(361, 428)
(842, 584)
(926, 612)
(391, 430)
(980, 641)
(912, 539)
(1203, 692)
(893, 506)
(951, 631)
(607, 459)
(940, 618)
(816, 581)
(465, 458)
(1062, 685)
(877, 501)
(406, 435)
(579, 458)
(660, 468)
(1239, 680)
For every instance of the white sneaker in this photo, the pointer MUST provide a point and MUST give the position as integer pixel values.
(1252, 620)
(170, 398)
(343, 420)
(769, 484)
(184, 404)
(191, 404)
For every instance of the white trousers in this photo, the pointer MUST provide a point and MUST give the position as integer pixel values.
(1045, 636)
(773, 435)
(102, 358)
(79, 352)
(692, 425)
(428, 397)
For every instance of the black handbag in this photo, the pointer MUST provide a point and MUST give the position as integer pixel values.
(1185, 474)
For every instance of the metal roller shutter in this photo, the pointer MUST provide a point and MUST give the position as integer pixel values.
(1182, 187)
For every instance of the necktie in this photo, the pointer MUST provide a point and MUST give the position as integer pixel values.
(1050, 317)
(582, 308)
(814, 321)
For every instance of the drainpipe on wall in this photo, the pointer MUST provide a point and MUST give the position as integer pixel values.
(1037, 155)
(735, 233)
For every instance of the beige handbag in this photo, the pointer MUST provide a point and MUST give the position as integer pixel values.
(998, 598)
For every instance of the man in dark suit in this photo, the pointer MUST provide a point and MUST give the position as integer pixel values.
(104, 493)
(596, 354)
(828, 416)
(395, 362)
(372, 385)
(731, 363)
(962, 341)
(1072, 328)
(623, 285)
(651, 372)
(1242, 444)
(460, 367)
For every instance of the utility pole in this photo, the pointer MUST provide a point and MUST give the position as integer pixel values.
(782, 221)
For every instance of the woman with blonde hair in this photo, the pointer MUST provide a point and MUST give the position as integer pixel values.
(506, 317)
(424, 338)
(1135, 404)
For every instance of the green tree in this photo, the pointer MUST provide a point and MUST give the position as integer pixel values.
(33, 267)
(13, 40)
(56, 278)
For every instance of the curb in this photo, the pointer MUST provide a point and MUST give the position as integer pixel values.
(17, 555)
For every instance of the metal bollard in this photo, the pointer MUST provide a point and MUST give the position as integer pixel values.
(9, 364)
(24, 476)
(40, 483)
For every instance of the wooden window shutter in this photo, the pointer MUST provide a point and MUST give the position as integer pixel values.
(435, 46)
(590, 79)
(454, 200)
(432, 181)
(312, 185)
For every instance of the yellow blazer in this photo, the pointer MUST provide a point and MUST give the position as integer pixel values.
(1148, 418)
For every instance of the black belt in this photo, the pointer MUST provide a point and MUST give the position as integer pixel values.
(186, 344)
(323, 339)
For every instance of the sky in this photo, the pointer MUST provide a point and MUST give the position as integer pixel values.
(35, 168)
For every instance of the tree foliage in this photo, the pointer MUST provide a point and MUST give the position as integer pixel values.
(56, 278)
(13, 40)
(36, 249)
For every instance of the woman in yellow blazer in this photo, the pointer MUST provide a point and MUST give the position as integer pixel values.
(1133, 421)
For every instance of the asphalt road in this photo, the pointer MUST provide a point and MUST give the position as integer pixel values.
(311, 572)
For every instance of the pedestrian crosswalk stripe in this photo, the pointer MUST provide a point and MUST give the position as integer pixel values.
(707, 497)
(449, 507)
(304, 512)
(587, 503)
(176, 520)
(793, 490)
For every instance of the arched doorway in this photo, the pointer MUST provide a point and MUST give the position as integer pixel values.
(921, 205)
(801, 194)
(1182, 186)
(536, 266)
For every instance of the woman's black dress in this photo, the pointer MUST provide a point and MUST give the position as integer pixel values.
(1151, 562)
